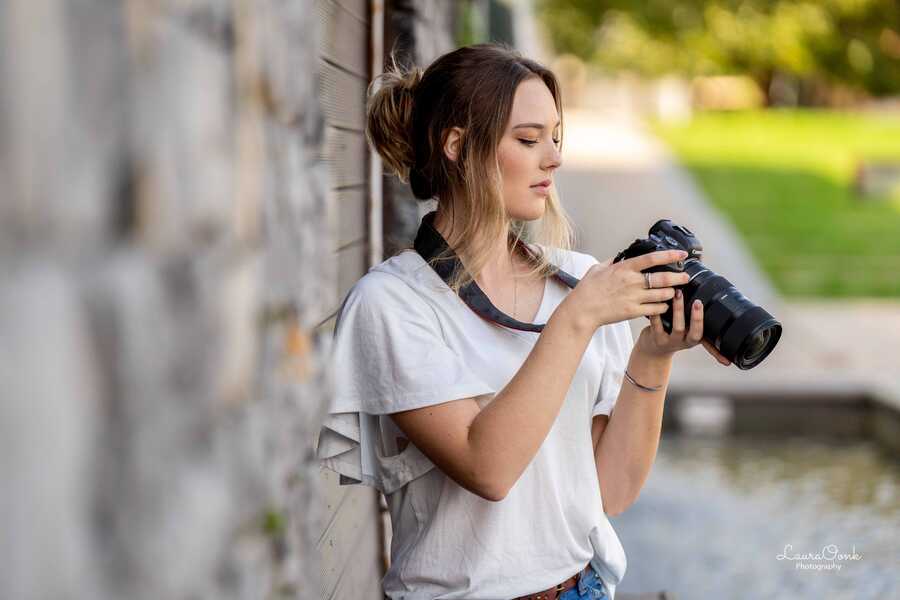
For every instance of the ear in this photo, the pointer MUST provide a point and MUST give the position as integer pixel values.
(451, 143)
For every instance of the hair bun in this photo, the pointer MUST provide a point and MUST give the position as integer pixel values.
(389, 116)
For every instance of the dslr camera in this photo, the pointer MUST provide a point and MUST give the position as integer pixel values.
(743, 332)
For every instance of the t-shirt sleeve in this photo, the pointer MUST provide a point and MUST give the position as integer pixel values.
(389, 354)
(617, 344)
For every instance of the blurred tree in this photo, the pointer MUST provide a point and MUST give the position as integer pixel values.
(479, 21)
(472, 22)
(815, 47)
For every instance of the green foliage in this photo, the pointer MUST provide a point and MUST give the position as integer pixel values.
(852, 42)
(471, 27)
(785, 180)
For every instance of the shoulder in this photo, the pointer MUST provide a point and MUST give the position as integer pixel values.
(571, 261)
(407, 265)
(393, 284)
(387, 303)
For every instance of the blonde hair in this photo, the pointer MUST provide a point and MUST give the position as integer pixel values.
(408, 119)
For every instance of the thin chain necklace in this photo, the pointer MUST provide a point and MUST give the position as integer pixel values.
(515, 291)
(515, 297)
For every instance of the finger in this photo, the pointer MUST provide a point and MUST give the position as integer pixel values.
(657, 294)
(663, 279)
(678, 316)
(695, 334)
(656, 326)
(654, 308)
(715, 353)
(661, 257)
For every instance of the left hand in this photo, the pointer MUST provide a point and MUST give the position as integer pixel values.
(655, 340)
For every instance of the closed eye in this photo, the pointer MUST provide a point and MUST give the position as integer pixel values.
(533, 142)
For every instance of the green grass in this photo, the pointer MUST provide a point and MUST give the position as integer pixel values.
(785, 180)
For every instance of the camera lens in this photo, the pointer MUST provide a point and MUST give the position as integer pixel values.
(756, 345)
(743, 332)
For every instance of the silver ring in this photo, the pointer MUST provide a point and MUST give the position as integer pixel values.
(647, 281)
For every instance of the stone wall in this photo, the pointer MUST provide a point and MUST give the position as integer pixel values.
(166, 252)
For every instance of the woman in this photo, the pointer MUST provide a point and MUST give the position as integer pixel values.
(493, 439)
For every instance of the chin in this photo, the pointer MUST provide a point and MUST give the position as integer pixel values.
(534, 214)
(529, 213)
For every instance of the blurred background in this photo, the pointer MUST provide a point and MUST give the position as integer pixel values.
(772, 130)
(188, 195)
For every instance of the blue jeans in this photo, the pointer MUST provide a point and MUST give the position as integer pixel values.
(589, 587)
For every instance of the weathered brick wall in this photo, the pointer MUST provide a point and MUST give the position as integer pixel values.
(166, 252)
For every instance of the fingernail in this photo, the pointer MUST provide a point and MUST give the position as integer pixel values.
(698, 304)
(678, 293)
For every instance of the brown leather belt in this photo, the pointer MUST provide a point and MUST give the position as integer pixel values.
(557, 590)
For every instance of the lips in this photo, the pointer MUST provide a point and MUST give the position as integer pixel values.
(546, 183)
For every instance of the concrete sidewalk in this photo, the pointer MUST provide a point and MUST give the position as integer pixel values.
(616, 181)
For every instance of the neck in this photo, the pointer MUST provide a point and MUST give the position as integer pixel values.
(500, 267)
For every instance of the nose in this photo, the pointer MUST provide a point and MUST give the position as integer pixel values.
(552, 159)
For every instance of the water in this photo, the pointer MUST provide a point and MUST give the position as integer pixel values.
(715, 517)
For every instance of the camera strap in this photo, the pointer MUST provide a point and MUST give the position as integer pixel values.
(429, 243)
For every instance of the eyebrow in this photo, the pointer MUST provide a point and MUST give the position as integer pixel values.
(534, 125)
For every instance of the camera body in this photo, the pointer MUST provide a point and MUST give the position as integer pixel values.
(665, 235)
(742, 331)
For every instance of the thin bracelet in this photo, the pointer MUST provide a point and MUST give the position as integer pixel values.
(646, 388)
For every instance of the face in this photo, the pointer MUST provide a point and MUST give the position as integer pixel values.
(529, 151)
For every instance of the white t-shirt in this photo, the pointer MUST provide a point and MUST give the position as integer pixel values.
(404, 340)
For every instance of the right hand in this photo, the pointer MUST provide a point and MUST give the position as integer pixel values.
(612, 292)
